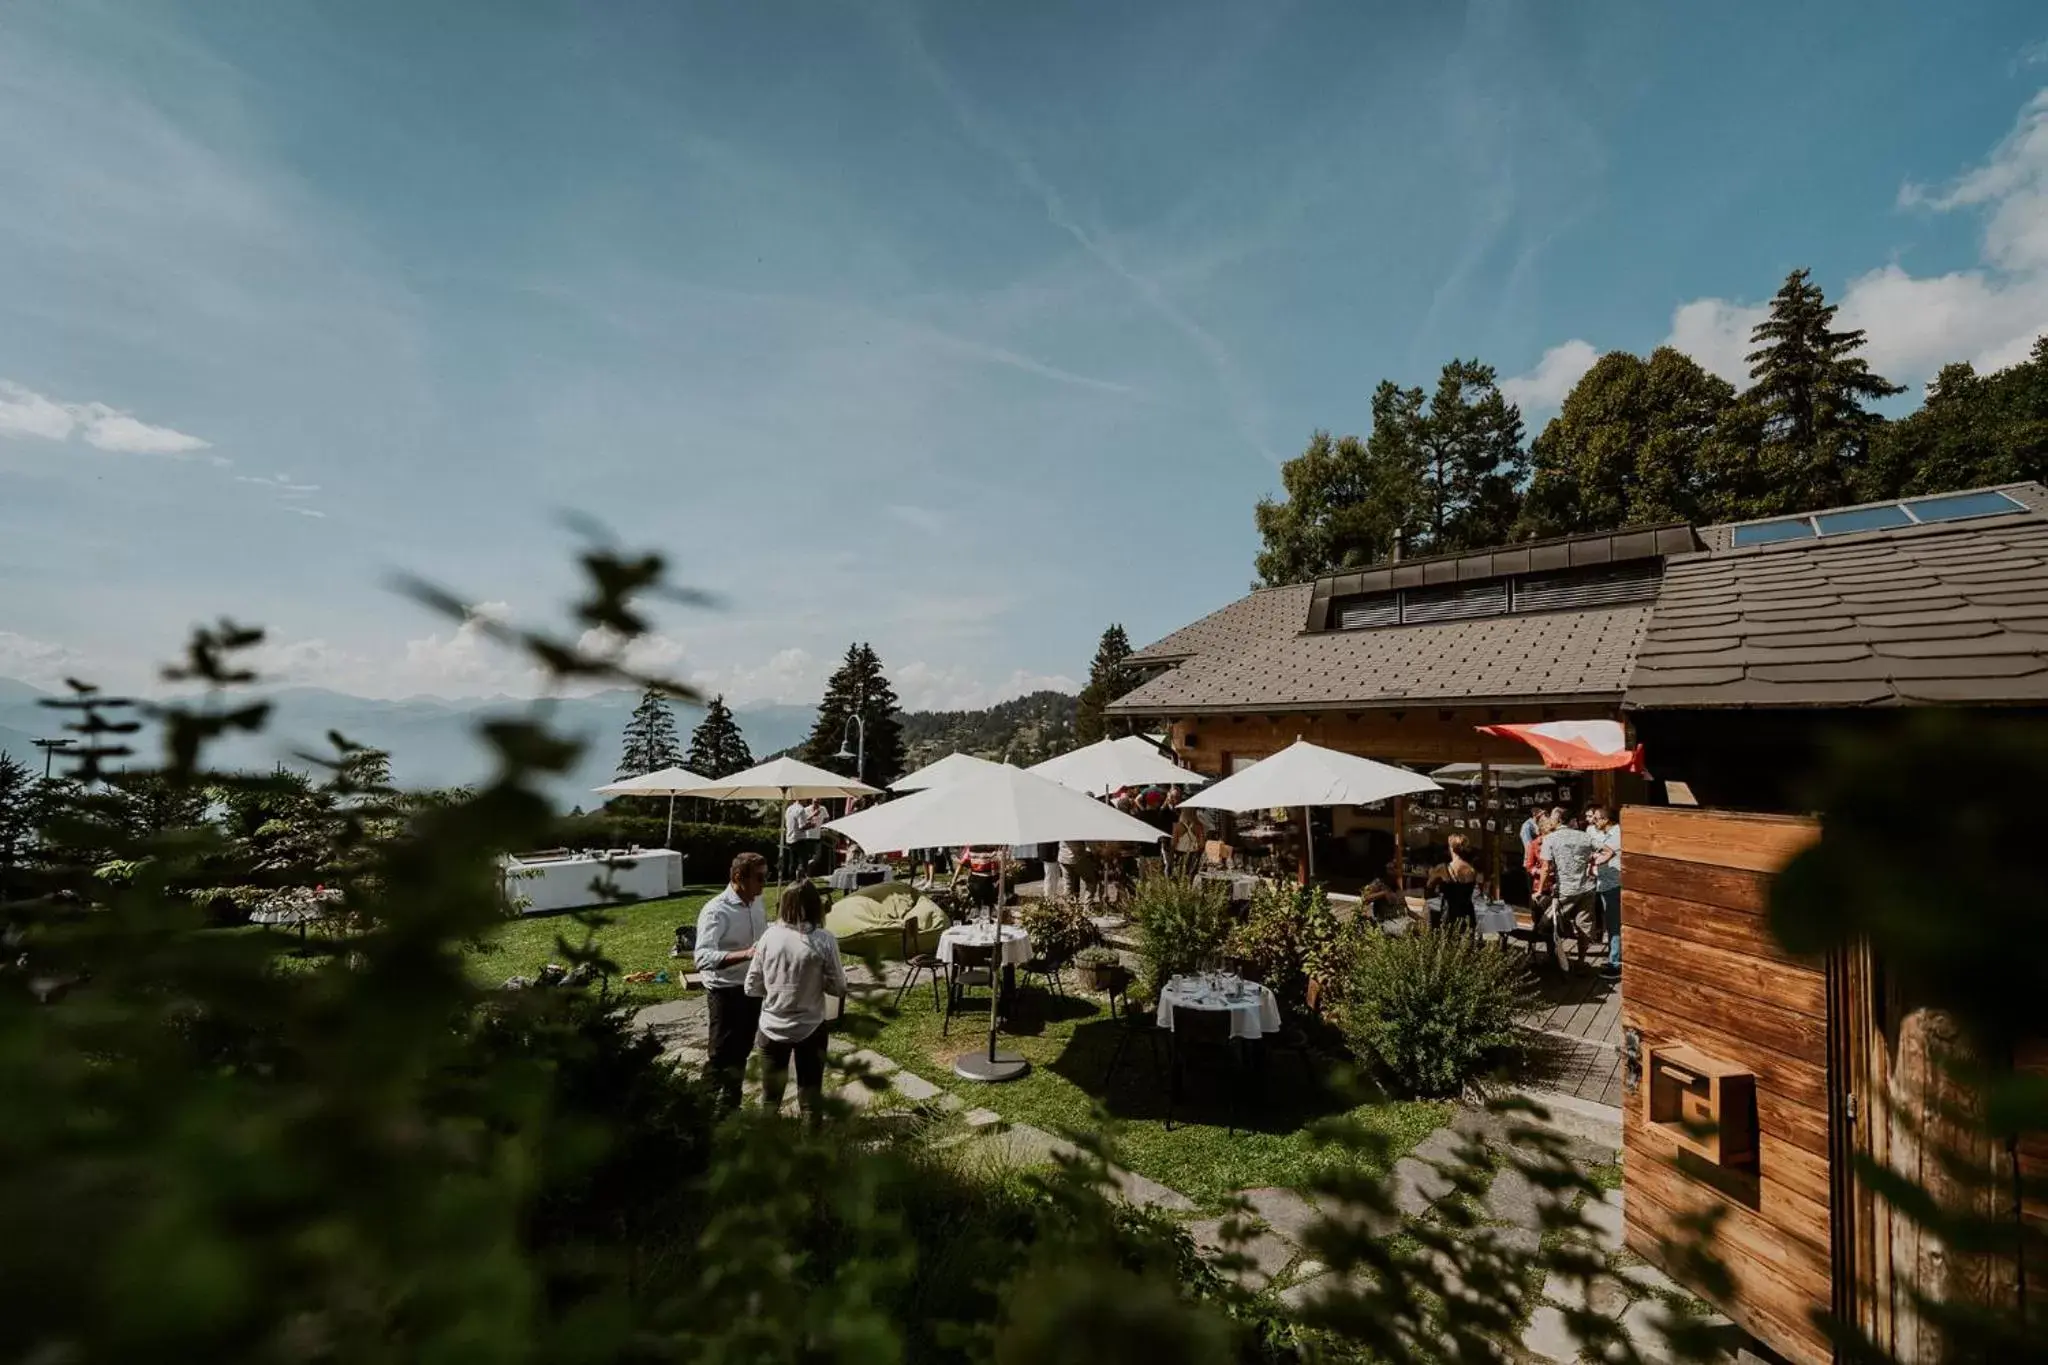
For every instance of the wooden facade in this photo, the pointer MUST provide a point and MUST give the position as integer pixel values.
(1701, 972)
(1423, 735)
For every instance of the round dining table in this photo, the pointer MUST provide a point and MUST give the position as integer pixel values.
(1254, 1012)
(1015, 952)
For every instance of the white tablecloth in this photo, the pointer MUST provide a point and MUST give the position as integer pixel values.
(1016, 950)
(1494, 917)
(1253, 1016)
(565, 883)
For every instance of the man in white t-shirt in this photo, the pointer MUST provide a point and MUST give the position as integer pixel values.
(1570, 856)
(792, 830)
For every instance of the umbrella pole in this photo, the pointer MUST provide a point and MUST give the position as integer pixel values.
(1401, 854)
(995, 1066)
(668, 836)
(1308, 843)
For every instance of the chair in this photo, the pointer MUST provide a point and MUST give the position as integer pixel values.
(1293, 1035)
(1135, 1024)
(1047, 970)
(973, 965)
(1195, 1033)
(1215, 854)
(914, 962)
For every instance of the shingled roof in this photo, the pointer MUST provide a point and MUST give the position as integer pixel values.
(1266, 615)
(1951, 612)
(1549, 657)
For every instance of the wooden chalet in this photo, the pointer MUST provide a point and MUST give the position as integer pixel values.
(1731, 653)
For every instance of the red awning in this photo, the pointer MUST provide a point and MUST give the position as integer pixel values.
(1585, 746)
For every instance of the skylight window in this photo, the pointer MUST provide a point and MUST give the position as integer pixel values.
(1770, 532)
(1953, 506)
(1862, 519)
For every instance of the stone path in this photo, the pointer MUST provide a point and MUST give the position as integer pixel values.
(1632, 1293)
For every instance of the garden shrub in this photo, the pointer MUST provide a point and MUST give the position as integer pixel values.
(1434, 1010)
(1182, 925)
(1060, 928)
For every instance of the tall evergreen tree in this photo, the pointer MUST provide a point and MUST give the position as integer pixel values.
(18, 807)
(1810, 386)
(1473, 464)
(717, 748)
(1628, 446)
(650, 742)
(859, 687)
(1109, 677)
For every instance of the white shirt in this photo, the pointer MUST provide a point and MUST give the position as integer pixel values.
(792, 822)
(727, 924)
(1608, 875)
(1571, 851)
(793, 971)
(813, 817)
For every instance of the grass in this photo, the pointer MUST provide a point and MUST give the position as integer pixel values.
(638, 939)
(1069, 1042)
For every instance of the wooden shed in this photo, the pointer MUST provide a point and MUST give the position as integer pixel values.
(1758, 646)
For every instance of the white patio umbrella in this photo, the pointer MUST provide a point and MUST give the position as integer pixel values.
(1112, 764)
(1004, 806)
(669, 782)
(946, 771)
(781, 779)
(1305, 774)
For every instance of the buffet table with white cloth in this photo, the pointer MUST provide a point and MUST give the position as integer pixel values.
(564, 883)
(1254, 1012)
(1016, 950)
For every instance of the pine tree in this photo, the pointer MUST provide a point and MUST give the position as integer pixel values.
(717, 748)
(859, 687)
(1810, 387)
(1109, 677)
(18, 814)
(650, 737)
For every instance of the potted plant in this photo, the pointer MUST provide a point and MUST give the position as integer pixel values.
(1100, 969)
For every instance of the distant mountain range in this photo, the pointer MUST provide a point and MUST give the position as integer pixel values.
(433, 741)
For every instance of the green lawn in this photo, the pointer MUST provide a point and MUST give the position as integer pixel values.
(638, 939)
(1069, 1042)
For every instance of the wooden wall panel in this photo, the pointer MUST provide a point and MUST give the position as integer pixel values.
(1700, 968)
(1421, 734)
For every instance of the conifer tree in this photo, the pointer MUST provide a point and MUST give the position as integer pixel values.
(1109, 678)
(717, 748)
(1810, 387)
(859, 687)
(650, 743)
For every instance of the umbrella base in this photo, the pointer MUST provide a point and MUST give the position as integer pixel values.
(978, 1066)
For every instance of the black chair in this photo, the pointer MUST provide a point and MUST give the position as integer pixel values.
(1047, 970)
(973, 965)
(915, 961)
(1135, 1023)
(1203, 1034)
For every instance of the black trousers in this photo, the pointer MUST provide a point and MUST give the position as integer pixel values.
(809, 1056)
(735, 1017)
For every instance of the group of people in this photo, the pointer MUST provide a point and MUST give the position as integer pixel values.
(1574, 864)
(768, 985)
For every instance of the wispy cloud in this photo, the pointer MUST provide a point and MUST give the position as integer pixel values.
(1246, 409)
(24, 412)
(291, 496)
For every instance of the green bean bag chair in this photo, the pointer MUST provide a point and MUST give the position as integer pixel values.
(873, 921)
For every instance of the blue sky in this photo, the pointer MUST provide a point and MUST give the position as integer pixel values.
(963, 329)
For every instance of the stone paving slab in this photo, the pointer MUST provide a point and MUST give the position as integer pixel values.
(1605, 1216)
(1417, 1185)
(1284, 1211)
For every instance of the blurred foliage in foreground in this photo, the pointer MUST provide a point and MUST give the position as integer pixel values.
(249, 1147)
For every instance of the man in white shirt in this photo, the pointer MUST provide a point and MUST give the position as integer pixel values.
(728, 927)
(1607, 878)
(795, 967)
(1569, 858)
(792, 831)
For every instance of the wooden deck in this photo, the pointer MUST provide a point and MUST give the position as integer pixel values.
(1578, 1027)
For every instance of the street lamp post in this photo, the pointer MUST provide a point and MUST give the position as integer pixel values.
(857, 728)
(50, 747)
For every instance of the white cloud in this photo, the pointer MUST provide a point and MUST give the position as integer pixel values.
(291, 495)
(1543, 389)
(24, 412)
(791, 676)
(1715, 332)
(40, 663)
(1917, 323)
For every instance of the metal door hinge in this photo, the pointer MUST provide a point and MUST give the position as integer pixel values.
(1849, 1107)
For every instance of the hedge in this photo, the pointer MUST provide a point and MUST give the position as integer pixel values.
(707, 849)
